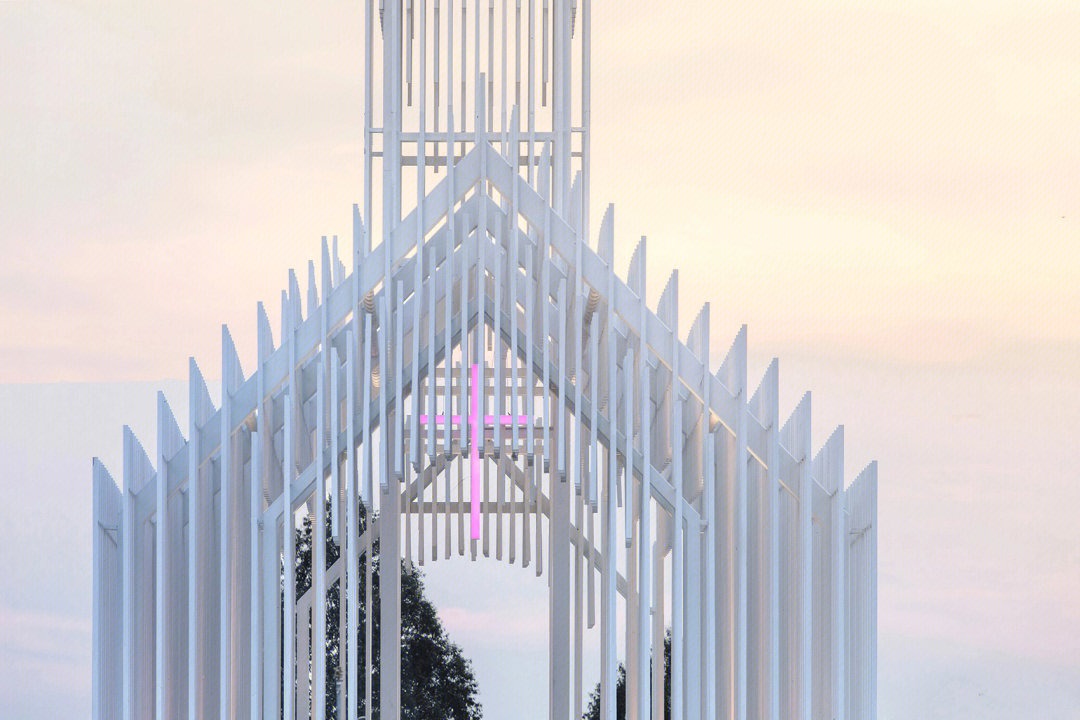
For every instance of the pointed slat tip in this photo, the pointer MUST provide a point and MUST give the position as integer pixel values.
(99, 471)
(165, 411)
(606, 240)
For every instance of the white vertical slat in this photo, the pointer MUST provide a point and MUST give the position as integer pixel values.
(384, 389)
(464, 66)
(409, 33)
(408, 477)
(511, 282)
(592, 455)
(367, 346)
(389, 574)
(609, 657)
(586, 100)
(200, 519)
(561, 110)
(109, 595)
(288, 530)
(318, 542)
(578, 335)
(448, 489)
(463, 302)
(482, 246)
(502, 489)
(636, 275)
(168, 554)
(451, 275)
(328, 264)
(425, 401)
(668, 310)
(397, 427)
(337, 491)
(559, 575)
(255, 656)
(435, 84)
(369, 115)
(263, 614)
(560, 405)
(869, 581)
(632, 539)
(421, 194)
(658, 551)
(829, 471)
(709, 500)
(799, 445)
(697, 598)
(499, 354)
(228, 546)
(732, 374)
(366, 349)
(630, 511)
(352, 530)
(490, 104)
(765, 405)
(580, 551)
(303, 654)
(138, 609)
(391, 107)
(693, 692)
(861, 622)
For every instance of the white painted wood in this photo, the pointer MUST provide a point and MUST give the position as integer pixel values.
(200, 635)
(352, 534)
(253, 660)
(796, 438)
(107, 680)
(232, 546)
(168, 561)
(860, 499)
(289, 560)
(830, 690)
(766, 551)
(318, 544)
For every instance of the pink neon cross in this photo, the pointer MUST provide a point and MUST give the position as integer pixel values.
(474, 454)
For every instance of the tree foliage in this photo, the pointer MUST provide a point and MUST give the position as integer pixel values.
(593, 711)
(437, 681)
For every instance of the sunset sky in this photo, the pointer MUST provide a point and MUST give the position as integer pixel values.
(887, 193)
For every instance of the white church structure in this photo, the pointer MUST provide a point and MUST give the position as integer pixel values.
(480, 380)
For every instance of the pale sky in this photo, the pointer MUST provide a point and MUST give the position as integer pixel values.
(887, 193)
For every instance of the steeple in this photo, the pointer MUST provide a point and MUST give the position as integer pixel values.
(517, 71)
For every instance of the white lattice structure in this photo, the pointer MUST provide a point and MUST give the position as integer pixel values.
(650, 491)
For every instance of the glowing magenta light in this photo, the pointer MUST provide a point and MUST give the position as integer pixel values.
(476, 422)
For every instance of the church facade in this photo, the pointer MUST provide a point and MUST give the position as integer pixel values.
(480, 381)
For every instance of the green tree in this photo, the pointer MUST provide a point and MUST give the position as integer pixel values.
(593, 711)
(437, 681)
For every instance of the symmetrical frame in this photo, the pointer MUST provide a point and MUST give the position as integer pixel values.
(652, 492)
